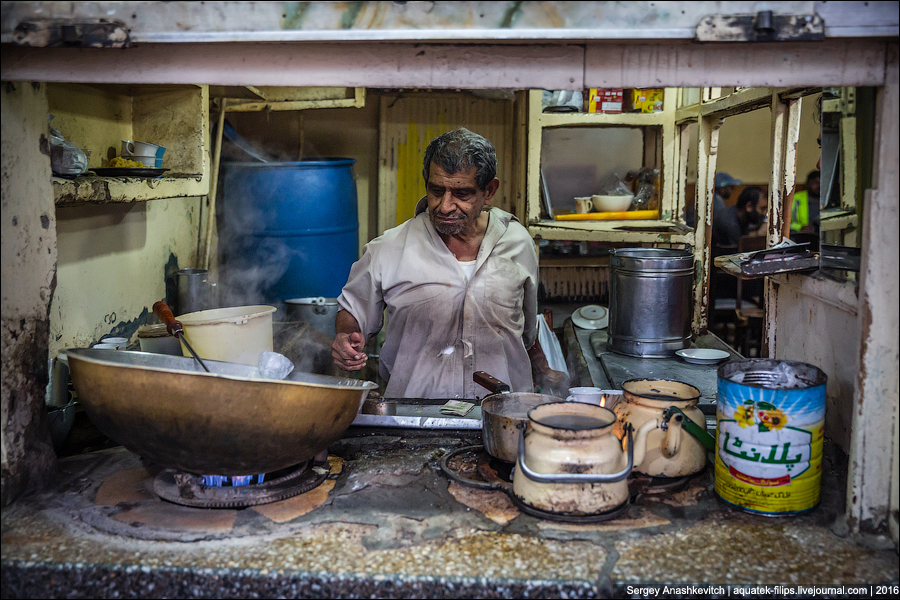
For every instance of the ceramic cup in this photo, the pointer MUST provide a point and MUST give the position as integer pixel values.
(589, 395)
(118, 342)
(130, 148)
(584, 205)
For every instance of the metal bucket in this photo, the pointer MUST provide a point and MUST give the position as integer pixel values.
(770, 422)
(318, 312)
(650, 301)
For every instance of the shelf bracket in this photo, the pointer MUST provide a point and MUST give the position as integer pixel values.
(103, 33)
(764, 26)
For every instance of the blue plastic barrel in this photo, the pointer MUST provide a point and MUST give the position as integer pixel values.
(289, 229)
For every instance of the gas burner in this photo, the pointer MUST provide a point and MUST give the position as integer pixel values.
(186, 488)
(608, 515)
(473, 467)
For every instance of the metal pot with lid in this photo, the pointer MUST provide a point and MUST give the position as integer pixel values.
(319, 312)
(650, 301)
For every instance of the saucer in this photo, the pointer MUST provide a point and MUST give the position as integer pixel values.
(591, 317)
(702, 356)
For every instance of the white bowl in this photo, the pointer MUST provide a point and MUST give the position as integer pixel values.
(612, 203)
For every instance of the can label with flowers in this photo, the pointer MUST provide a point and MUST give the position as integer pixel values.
(770, 428)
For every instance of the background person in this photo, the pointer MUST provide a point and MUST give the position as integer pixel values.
(805, 208)
(726, 223)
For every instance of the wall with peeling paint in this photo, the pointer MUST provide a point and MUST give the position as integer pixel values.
(817, 324)
(29, 266)
(112, 263)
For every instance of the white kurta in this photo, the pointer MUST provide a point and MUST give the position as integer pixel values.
(442, 328)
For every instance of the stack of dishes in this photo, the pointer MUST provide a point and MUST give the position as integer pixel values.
(591, 317)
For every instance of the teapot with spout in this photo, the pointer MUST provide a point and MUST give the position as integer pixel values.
(666, 419)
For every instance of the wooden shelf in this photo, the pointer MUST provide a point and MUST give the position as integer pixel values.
(101, 190)
(98, 117)
(665, 232)
(659, 142)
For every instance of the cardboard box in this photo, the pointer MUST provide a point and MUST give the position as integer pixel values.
(605, 100)
(644, 100)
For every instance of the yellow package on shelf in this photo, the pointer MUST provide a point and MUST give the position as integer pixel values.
(629, 215)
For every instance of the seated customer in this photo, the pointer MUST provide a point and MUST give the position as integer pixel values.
(730, 223)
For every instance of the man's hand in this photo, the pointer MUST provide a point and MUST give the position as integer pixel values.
(347, 351)
(347, 348)
(555, 383)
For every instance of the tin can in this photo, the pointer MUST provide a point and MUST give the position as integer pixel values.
(770, 422)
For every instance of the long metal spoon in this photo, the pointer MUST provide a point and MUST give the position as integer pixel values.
(174, 327)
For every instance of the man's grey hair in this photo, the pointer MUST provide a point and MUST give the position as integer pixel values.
(460, 150)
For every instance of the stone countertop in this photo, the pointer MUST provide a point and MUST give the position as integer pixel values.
(388, 522)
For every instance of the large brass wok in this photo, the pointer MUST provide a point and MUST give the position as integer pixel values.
(230, 421)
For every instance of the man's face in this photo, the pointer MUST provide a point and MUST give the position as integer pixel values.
(813, 187)
(454, 200)
(762, 208)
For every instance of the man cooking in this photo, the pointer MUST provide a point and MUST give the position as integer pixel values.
(459, 282)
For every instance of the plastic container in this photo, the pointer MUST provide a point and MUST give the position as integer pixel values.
(292, 228)
(155, 339)
(237, 334)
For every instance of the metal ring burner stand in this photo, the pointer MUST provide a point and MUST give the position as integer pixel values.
(185, 488)
(491, 479)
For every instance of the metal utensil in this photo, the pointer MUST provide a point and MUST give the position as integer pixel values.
(504, 414)
(174, 327)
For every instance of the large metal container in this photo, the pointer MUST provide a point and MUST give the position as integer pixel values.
(770, 423)
(230, 421)
(650, 301)
(319, 312)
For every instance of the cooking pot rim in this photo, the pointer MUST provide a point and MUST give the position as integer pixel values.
(108, 358)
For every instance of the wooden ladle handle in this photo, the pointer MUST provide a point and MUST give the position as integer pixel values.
(163, 311)
(489, 382)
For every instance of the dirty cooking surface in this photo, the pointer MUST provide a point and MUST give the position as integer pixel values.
(387, 513)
